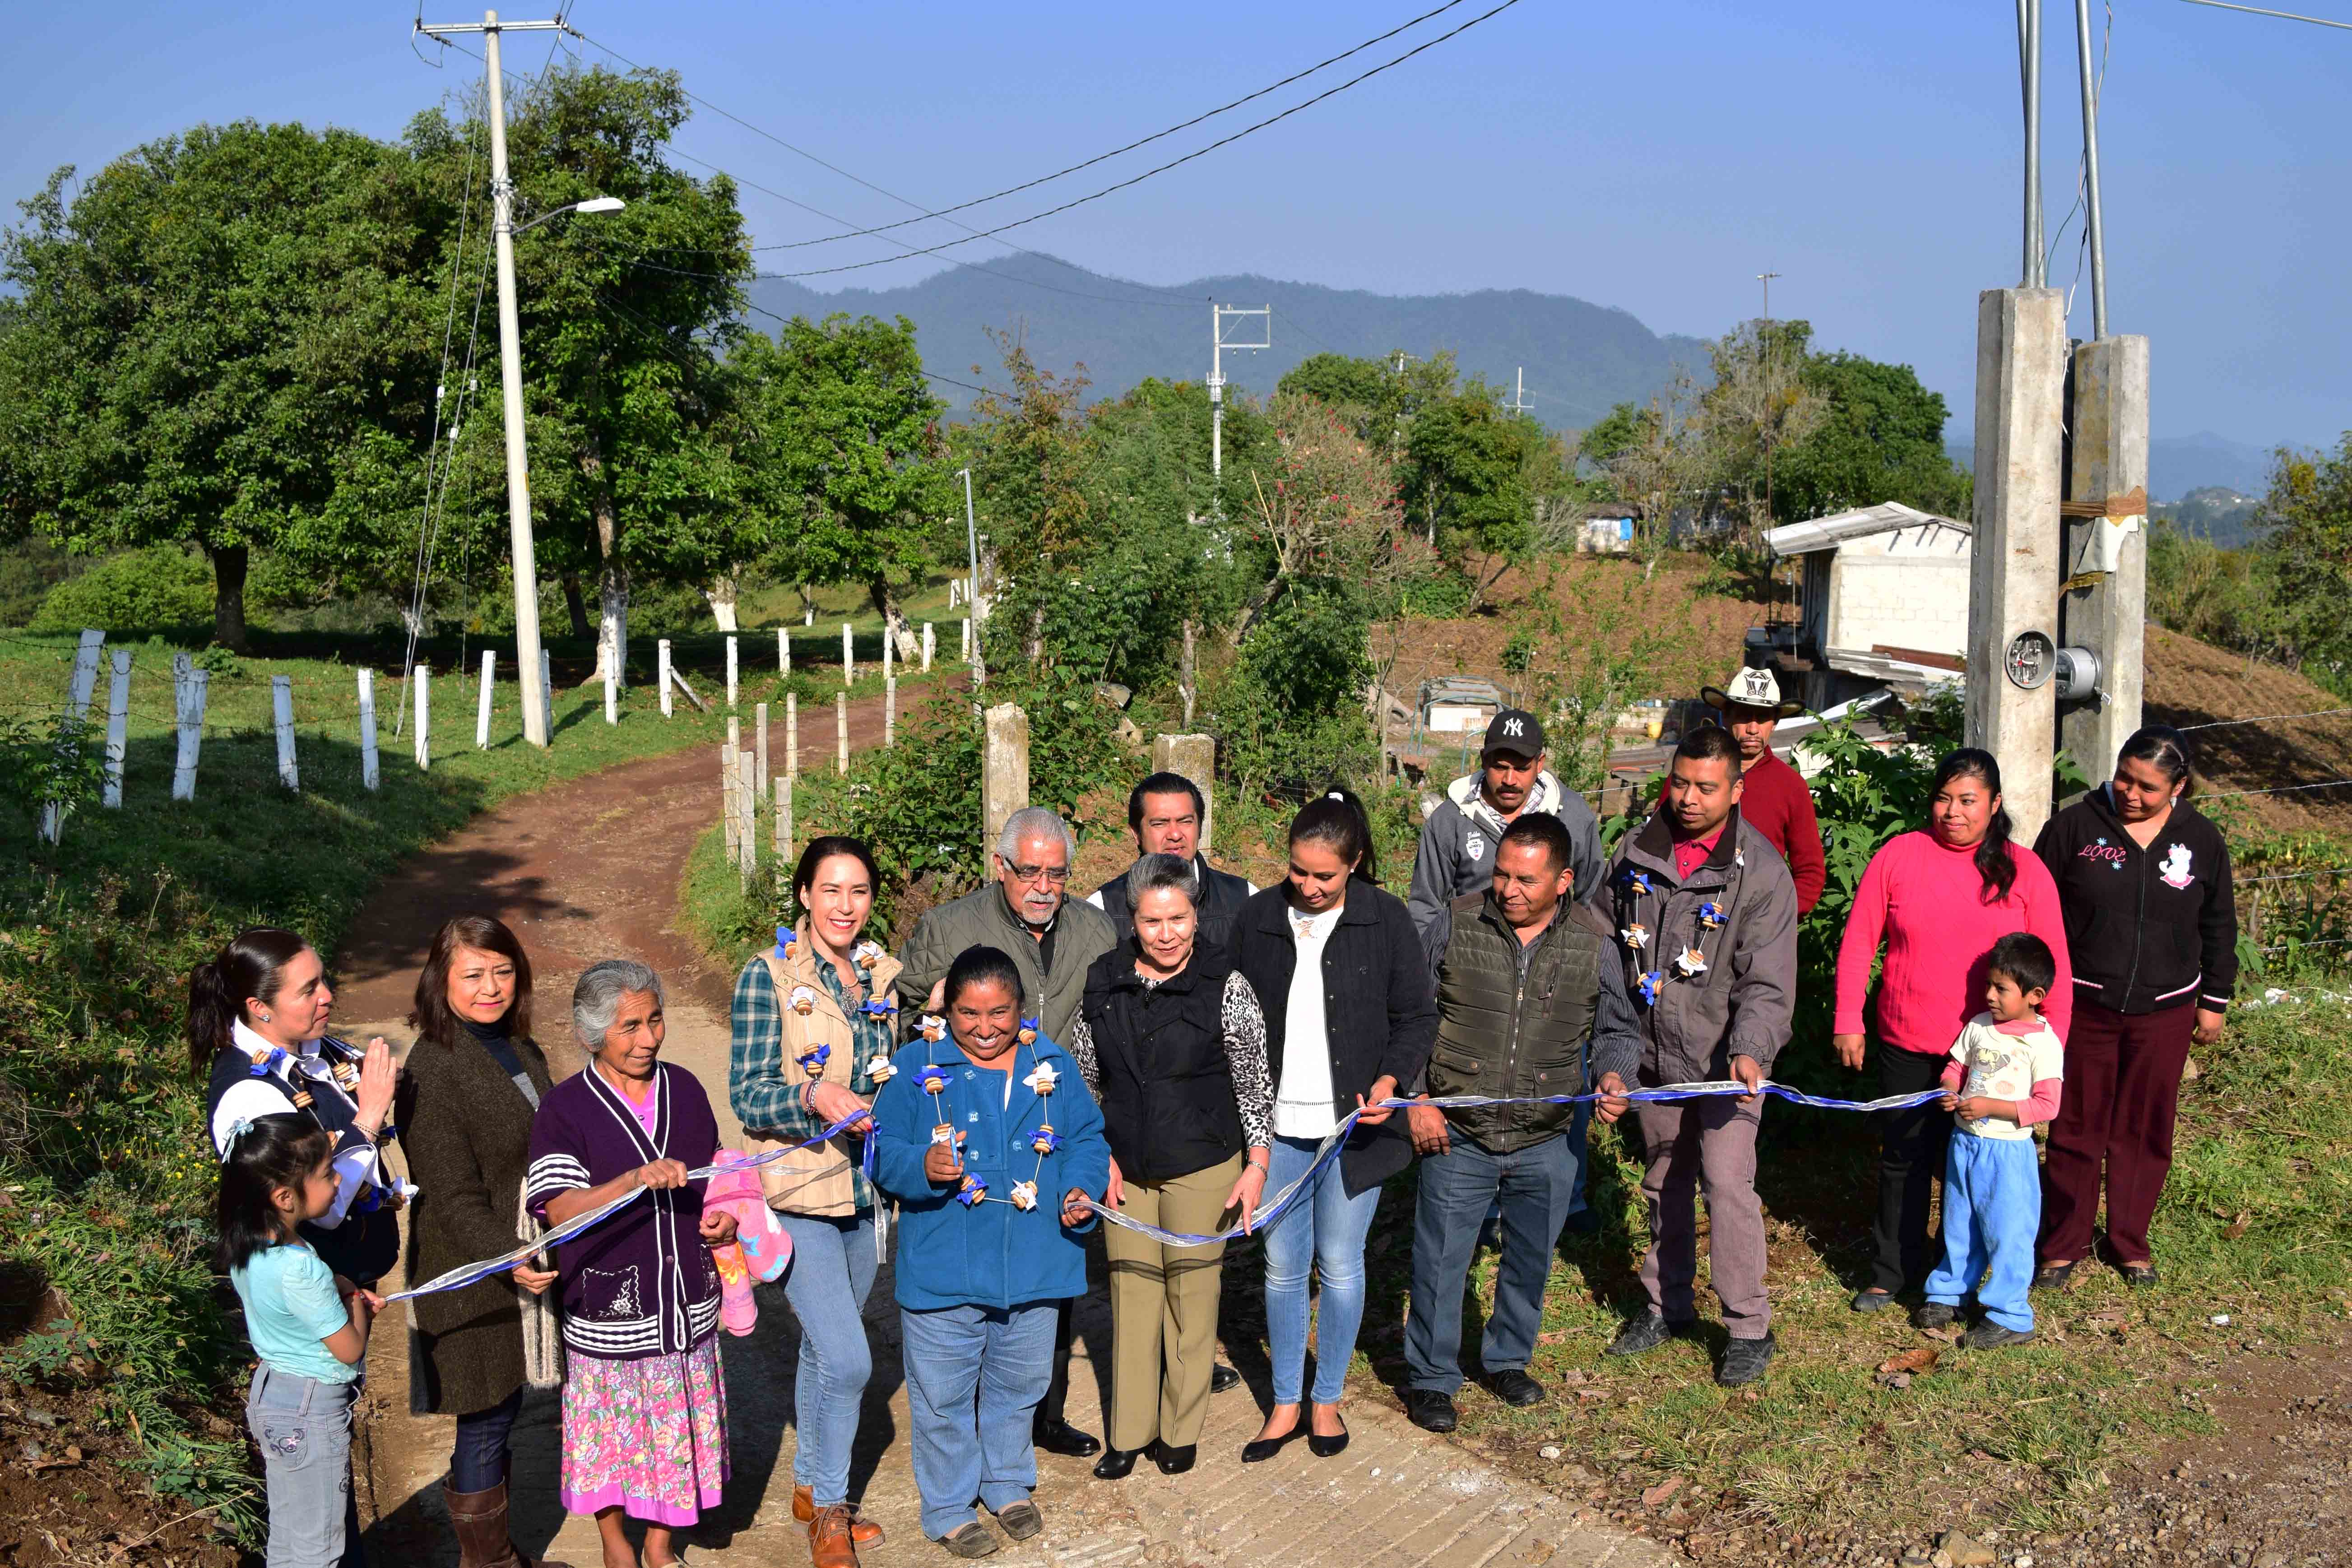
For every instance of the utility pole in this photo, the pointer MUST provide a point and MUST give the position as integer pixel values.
(526, 570)
(2094, 228)
(1218, 344)
(1519, 403)
(1767, 346)
(971, 591)
(2028, 71)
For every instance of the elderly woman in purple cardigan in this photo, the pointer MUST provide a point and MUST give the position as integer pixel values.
(644, 1420)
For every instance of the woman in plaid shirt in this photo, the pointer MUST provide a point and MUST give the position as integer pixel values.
(814, 1025)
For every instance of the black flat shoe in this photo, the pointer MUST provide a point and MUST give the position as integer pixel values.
(2054, 1276)
(1331, 1447)
(1117, 1464)
(1257, 1450)
(1224, 1379)
(1173, 1460)
(1061, 1437)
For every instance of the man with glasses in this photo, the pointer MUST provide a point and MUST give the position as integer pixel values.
(1053, 938)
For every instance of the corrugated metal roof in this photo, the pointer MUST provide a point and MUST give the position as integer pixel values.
(1828, 533)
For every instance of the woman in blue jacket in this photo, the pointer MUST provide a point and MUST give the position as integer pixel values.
(991, 1146)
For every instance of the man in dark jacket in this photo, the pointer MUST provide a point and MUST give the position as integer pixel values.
(1166, 811)
(1457, 843)
(1527, 986)
(1706, 915)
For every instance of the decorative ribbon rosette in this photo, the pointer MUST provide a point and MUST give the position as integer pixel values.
(1690, 963)
(1028, 1035)
(1024, 1194)
(1043, 1078)
(1045, 1140)
(812, 1059)
(932, 1027)
(1650, 986)
(933, 1080)
(864, 954)
(263, 1061)
(1740, 857)
(972, 1192)
(1637, 936)
(802, 1000)
(1710, 915)
(784, 940)
(1640, 881)
(879, 1069)
(883, 1007)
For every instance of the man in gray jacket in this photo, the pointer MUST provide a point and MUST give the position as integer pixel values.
(1707, 918)
(1457, 843)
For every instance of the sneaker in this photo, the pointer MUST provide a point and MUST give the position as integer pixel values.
(1990, 1336)
(1743, 1361)
(1932, 1315)
(1643, 1335)
(1514, 1387)
(1430, 1410)
(1872, 1301)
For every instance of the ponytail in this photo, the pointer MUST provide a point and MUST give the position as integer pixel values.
(1337, 820)
(264, 1154)
(251, 965)
(1995, 866)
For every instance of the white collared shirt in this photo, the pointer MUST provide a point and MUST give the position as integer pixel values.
(1302, 1101)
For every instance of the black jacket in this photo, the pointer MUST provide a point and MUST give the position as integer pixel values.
(1162, 1075)
(1378, 1010)
(2145, 929)
(363, 1249)
(1222, 894)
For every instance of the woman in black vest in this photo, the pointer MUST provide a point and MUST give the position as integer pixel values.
(257, 1025)
(1170, 1040)
(1349, 1021)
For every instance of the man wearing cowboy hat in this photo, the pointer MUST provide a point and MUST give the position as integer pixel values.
(1774, 798)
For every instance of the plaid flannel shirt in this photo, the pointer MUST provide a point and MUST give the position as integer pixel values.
(764, 1100)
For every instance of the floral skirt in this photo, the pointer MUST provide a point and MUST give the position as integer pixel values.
(648, 1435)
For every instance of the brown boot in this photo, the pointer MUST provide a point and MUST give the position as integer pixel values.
(830, 1545)
(863, 1531)
(480, 1519)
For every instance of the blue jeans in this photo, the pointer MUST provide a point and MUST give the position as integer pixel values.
(1325, 1229)
(832, 1273)
(1992, 1208)
(304, 1429)
(974, 1375)
(1536, 1187)
(478, 1461)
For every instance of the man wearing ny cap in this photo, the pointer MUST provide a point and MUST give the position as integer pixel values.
(1774, 798)
(1457, 844)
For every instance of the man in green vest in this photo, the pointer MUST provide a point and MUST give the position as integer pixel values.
(1531, 1002)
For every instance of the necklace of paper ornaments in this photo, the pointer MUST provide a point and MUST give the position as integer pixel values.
(882, 1009)
(344, 1070)
(1042, 1080)
(1689, 963)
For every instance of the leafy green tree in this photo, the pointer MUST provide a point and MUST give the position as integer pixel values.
(1032, 494)
(1760, 403)
(1880, 438)
(224, 338)
(2308, 513)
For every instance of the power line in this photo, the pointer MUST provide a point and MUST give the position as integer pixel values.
(2264, 718)
(1041, 179)
(2283, 16)
(2282, 789)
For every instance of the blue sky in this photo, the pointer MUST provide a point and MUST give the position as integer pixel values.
(1653, 156)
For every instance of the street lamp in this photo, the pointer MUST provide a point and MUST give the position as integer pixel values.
(592, 205)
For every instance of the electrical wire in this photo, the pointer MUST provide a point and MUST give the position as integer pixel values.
(2281, 789)
(2283, 16)
(2264, 718)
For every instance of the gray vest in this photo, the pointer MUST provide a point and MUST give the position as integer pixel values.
(1502, 1038)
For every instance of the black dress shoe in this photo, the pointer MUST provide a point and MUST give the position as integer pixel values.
(1257, 1450)
(1514, 1387)
(1330, 1447)
(1222, 1378)
(1117, 1464)
(1058, 1436)
(1430, 1410)
(1173, 1460)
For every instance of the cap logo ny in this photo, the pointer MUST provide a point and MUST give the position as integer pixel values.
(1513, 727)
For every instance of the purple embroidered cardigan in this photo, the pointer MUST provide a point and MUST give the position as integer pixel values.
(641, 1283)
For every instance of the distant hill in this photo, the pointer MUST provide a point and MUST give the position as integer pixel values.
(2179, 465)
(1579, 358)
(2216, 512)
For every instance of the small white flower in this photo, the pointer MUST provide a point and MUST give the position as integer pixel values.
(879, 1069)
(1043, 1078)
(1024, 1194)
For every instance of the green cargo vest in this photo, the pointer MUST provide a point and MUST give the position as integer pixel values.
(1496, 1038)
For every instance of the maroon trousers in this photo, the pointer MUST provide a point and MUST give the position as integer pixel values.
(2122, 1079)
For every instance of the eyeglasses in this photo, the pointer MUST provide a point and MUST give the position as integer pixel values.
(1054, 874)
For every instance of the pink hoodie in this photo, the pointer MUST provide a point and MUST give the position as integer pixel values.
(1925, 899)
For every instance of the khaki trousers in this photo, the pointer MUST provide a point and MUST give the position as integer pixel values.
(1163, 1308)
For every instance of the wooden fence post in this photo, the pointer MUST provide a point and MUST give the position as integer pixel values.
(84, 685)
(662, 655)
(784, 650)
(930, 647)
(759, 723)
(731, 672)
(1004, 770)
(840, 733)
(482, 703)
(547, 688)
(191, 701)
(889, 712)
(422, 682)
(118, 726)
(368, 776)
(848, 656)
(886, 650)
(281, 711)
(791, 736)
(783, 787)
(612, 692)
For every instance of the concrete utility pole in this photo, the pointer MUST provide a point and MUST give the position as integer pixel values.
(971, 591)
(526, 571)
(2104, 608)
(1218, 344)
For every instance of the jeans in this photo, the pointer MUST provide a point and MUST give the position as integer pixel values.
(1324, 1229)
(1992, 1206)
(1910, 1157)
(478, 1461)
(974, 1375)
(832, 1273)
(1536, 1186)
(304, 1429)
(2123, 1084)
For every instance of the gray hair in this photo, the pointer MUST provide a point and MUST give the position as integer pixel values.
(1033, 822)
(1153, 872)
(596, 999)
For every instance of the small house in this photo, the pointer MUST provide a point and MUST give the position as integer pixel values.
(1884, 602)
(1459, 704)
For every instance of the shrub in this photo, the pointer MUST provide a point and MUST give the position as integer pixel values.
(1291, 712)
(160, 588)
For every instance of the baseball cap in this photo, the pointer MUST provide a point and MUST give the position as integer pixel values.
(1515, 729)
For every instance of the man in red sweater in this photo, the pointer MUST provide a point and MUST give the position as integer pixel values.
(1774, 798)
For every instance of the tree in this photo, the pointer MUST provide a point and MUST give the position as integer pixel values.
(1479, 472)
(2308, 513)
(1027, 455)
(1329, 515)
(1760, 403)
(1654, 460)
(222, 338)
(1880, 438)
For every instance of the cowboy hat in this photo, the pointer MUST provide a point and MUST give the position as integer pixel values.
(1752, 688)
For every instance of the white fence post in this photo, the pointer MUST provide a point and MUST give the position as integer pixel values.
(85, 672)
(422, 682)
(547, 688)
(669, 703)
(760, 779)
(482, 707)
(367, 774)
(928, 647)
(281, 711)
(784, 788)
(118, 726)
(612, 692)
(840, 733)
(848, 656)
(791, 736)
(965, 656)
(887, 651)
(730, 813)
(192, 684)
(731, 672)
(783, 651)
(747, 813)
(889, 712)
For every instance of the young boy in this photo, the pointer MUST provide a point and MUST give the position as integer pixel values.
(2004, 1076)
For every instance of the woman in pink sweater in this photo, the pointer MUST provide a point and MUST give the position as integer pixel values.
(1938, 897)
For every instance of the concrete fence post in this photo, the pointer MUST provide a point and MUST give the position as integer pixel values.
(423, 683)
(783, 787)
(1004, 773)
(791, 736)
(783, 651)
(964, 653)
(369, 776)
(191, 693)
(612, 692)
(1194, 757)
(848, 656)
(889, 712)
(547, 688)
(840, 733)
(760, 779)
(730, 816)
(482, 706)
(731, 672)
(661, 656)
(118, 726)
(747, 808)
(930, 647)
(281, 713)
